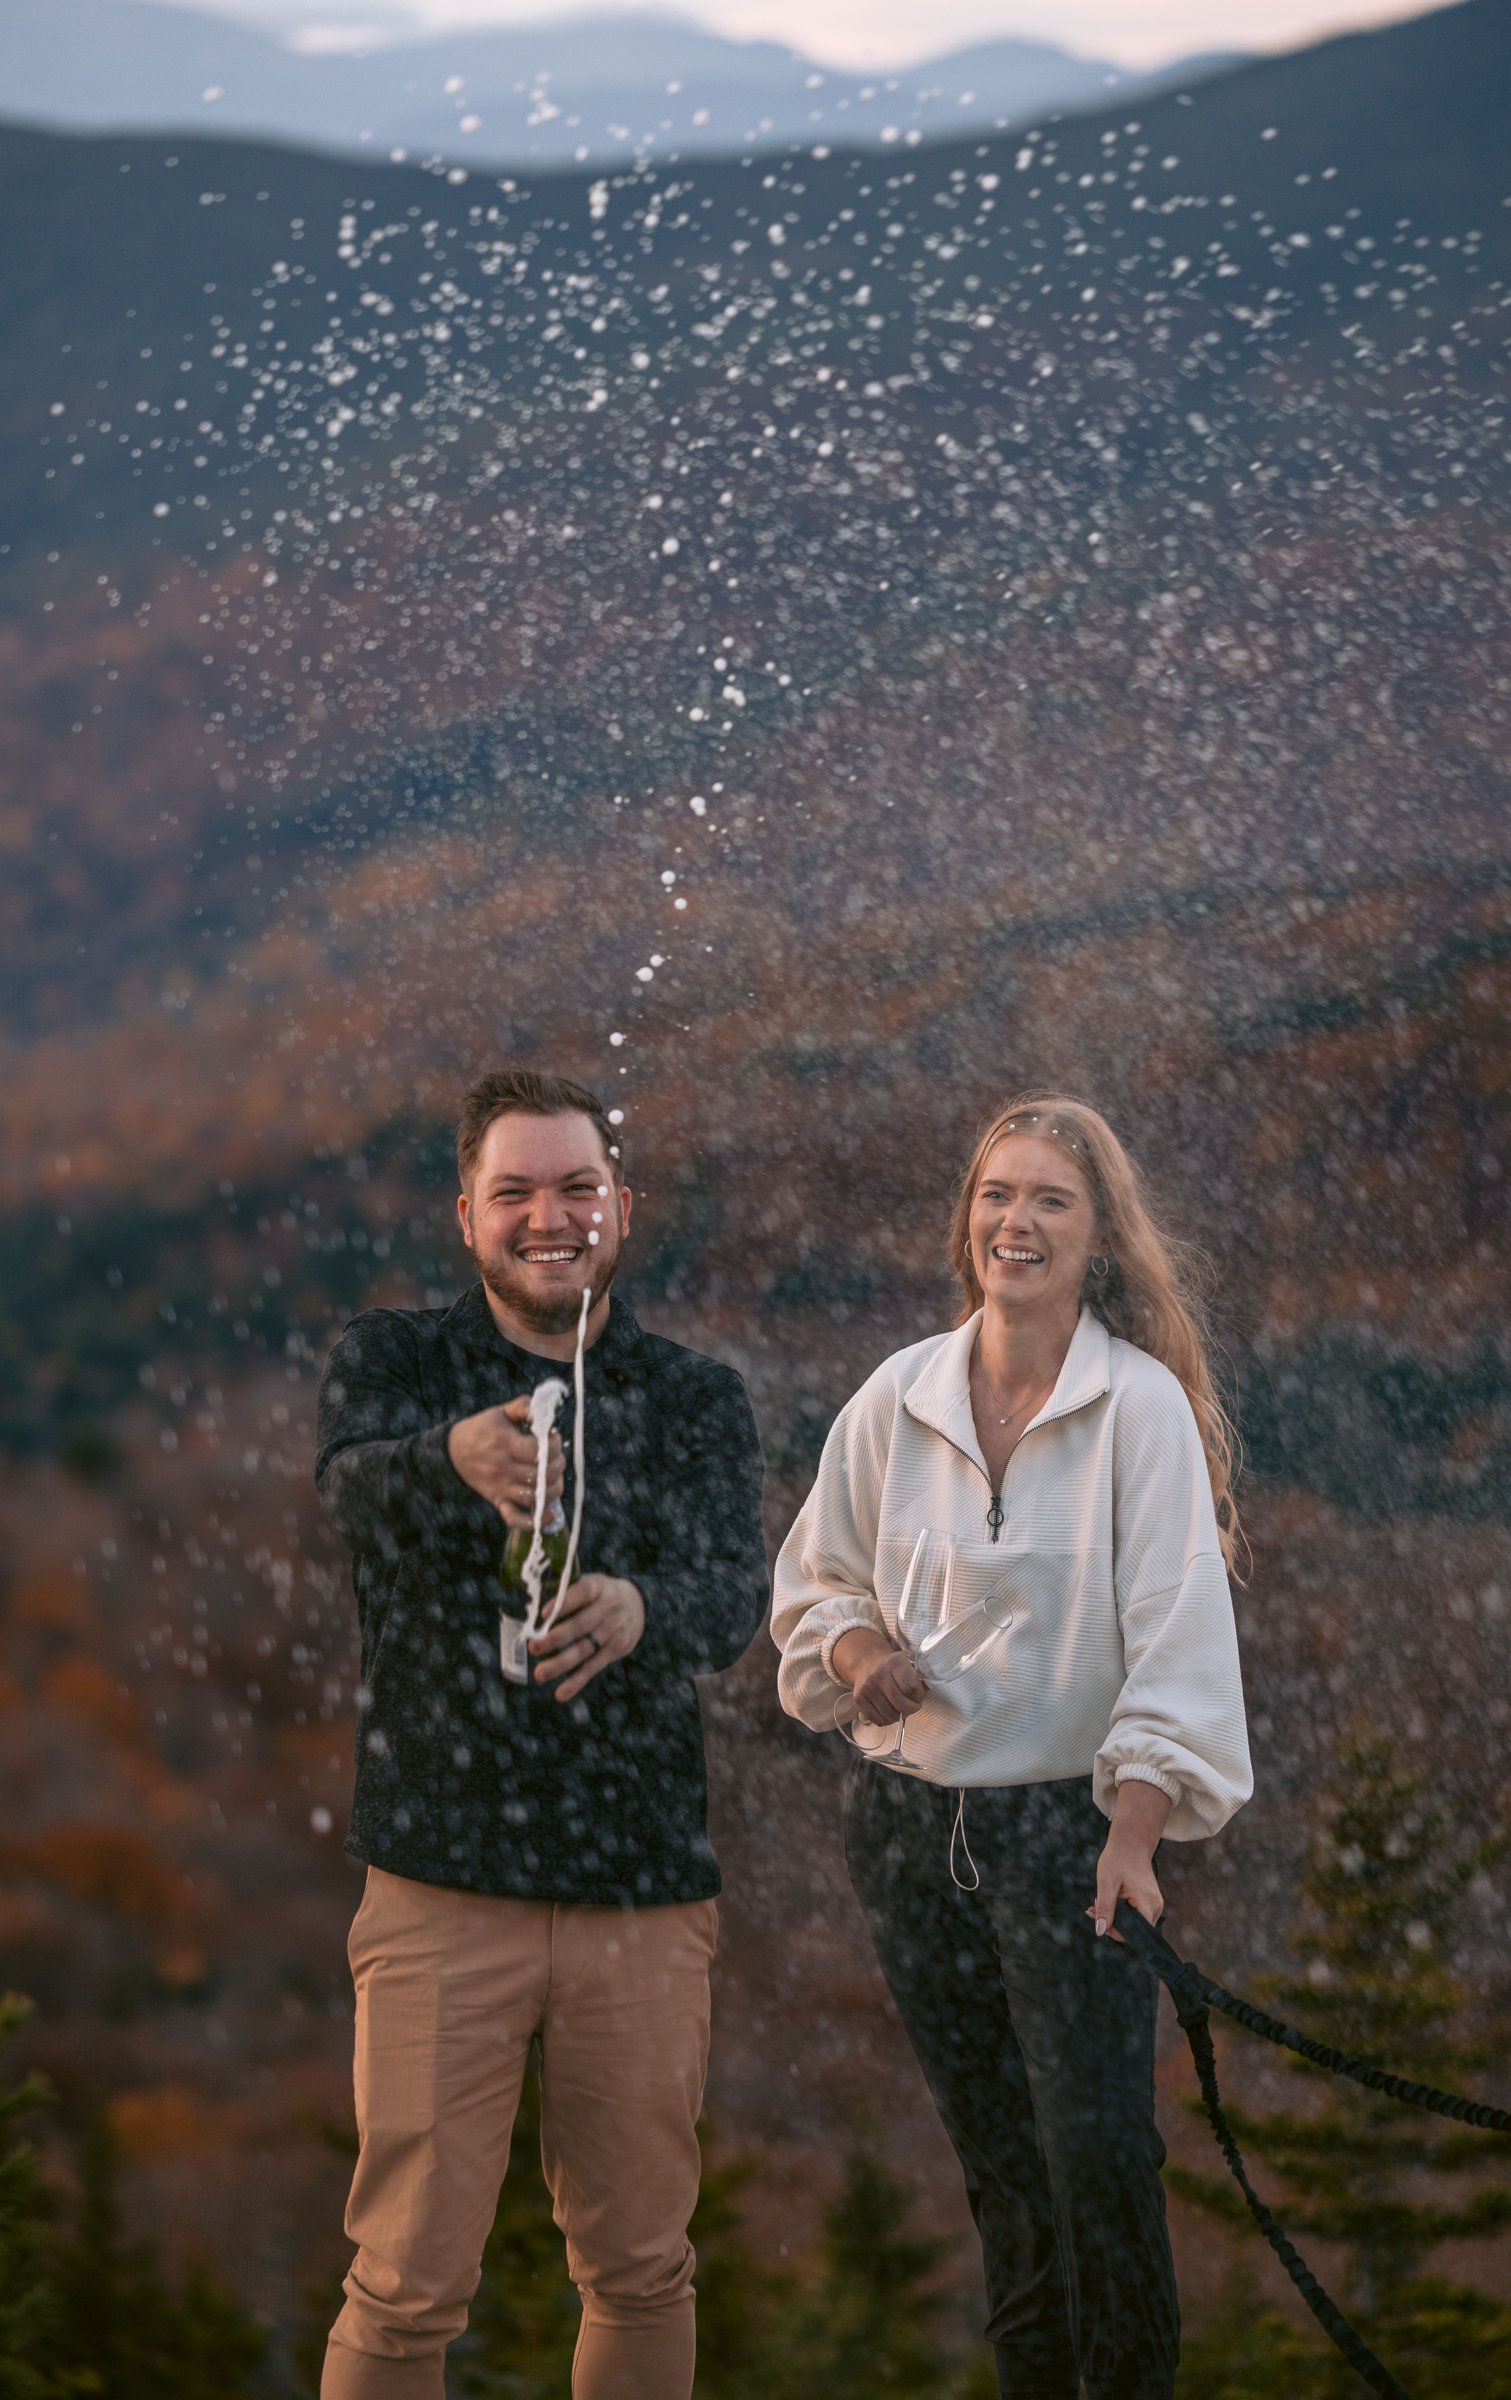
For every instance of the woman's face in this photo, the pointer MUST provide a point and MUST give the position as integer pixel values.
(1033, 1227)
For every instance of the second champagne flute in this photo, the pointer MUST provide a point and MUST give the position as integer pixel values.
(923, 1608)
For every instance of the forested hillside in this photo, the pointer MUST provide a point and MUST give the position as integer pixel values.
(805, 643)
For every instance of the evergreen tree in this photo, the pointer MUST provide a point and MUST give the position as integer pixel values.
(852, 2321)
(1243, 2350)
(83, 2311)
(28, 2309)
(1387, 1869)
(121, 2331)
(877, 2295)
(859, 2318)
(743, 2304)
(323, 2293)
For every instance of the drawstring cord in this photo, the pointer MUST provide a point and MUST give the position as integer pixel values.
(957, 1834)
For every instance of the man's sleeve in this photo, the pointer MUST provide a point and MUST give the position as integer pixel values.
(706, 1595)
(383, 1473)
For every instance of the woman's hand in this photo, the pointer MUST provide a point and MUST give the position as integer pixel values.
(884, 1680)
(1125, 1870)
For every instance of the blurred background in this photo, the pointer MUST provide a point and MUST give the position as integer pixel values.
(806, 567)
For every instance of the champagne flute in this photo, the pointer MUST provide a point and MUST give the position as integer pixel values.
(922, 1612)
(950, 1649)
(940, 1646)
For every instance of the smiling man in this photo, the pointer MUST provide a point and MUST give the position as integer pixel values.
(538, 1865)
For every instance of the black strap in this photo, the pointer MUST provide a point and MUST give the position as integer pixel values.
(1183, 1979)
(1194, 1995)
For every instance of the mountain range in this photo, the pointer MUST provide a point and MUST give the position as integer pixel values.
(575, 90)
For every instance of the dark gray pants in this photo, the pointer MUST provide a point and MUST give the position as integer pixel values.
(1037, 2041)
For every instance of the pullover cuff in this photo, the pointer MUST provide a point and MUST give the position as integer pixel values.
(1170, 1785)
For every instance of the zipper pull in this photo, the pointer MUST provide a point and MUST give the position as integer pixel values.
(994, 1518)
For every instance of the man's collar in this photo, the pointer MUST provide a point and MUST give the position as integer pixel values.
(471, 1321)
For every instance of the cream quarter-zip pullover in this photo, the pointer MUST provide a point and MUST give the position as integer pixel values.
(1120, 1659)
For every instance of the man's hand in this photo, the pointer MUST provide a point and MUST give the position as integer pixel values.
(601, 1618)
(884, 1679)
(490, 1452)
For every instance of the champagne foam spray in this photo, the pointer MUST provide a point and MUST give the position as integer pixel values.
(545, 1400)
(579, 1454)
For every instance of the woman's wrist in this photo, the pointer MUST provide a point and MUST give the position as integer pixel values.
(1125, 1869)
(1139, 1816)
(856, 1651)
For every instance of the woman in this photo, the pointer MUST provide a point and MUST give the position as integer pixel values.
(1068, 1435)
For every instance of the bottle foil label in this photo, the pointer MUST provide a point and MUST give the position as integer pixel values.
(513, 1656)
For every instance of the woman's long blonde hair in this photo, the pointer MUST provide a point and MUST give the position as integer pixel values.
(1153, 1293)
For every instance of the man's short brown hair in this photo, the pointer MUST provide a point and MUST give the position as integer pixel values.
(520, 1092)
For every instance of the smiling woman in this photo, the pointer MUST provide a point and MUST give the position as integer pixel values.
(1066, 1443)
(1139, 1278)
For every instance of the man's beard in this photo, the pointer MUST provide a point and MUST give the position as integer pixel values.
(550, 1312)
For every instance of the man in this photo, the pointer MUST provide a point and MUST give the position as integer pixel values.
(538, 1864)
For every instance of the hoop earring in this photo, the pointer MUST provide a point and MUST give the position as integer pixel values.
(1101, 1267)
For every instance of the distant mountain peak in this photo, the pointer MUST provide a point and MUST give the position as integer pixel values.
(347, 78)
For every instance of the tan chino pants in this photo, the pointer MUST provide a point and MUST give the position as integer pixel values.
(451, 1988)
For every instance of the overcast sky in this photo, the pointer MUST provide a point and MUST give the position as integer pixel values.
(876, 33)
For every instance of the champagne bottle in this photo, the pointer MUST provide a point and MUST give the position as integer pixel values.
(514, 1658)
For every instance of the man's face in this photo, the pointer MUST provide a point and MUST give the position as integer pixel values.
(543, 1217)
